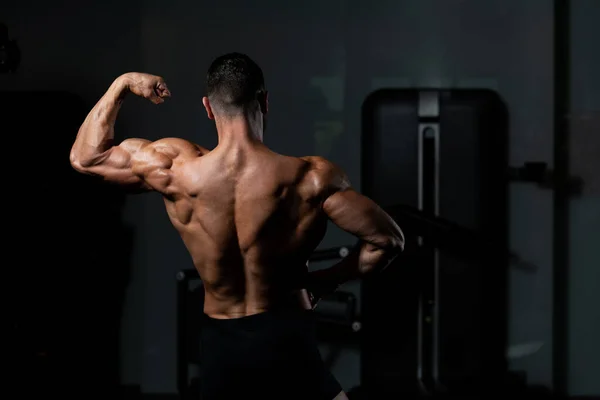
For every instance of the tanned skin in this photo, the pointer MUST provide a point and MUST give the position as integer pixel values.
(250, 218)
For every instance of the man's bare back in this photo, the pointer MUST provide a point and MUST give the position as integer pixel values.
(250, 218)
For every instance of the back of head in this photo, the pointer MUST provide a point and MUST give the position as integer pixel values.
(235, 85)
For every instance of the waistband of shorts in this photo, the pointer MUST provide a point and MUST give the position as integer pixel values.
(259, 319)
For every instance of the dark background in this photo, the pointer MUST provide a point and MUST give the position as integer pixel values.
(321, 59)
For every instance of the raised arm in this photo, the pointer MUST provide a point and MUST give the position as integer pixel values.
(137, 164)
(381, 240)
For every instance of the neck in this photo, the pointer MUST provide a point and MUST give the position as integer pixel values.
(239, 130)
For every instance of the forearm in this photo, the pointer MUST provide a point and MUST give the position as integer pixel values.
(364, 260)
(96, 134)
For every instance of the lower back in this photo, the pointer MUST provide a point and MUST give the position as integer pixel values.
(233, 291)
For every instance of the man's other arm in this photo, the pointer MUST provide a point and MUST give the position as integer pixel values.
(137, 164)
(381, 239)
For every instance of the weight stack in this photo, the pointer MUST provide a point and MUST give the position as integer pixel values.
(434, 322)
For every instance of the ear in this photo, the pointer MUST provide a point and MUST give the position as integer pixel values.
(264, 103)
(208, 108)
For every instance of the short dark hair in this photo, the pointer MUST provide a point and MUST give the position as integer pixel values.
(234, 84)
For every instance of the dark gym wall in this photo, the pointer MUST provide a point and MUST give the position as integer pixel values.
(79, 49)
(321, 59)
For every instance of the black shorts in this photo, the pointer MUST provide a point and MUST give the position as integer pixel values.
(271, 355)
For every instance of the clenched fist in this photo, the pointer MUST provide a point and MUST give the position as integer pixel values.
(148, 86)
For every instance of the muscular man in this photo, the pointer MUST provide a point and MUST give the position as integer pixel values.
(250, 219)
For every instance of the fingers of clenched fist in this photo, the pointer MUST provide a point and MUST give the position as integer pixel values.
(162, 90)
(149, 86)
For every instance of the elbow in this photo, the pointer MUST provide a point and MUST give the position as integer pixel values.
(394, 244)
(377, 257)
(397, 245)
(389, 244)
(393, 248)
(77, 162)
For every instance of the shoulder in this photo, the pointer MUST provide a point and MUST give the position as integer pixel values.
(167, 145)
(163, 152)
(179, 145)
(325, 176)
(167, 150)
(324, 168)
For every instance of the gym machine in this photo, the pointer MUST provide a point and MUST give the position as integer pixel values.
(435, 322)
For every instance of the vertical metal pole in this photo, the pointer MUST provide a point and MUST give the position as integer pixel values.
(562, 103)
(182, 351)
(429, 129)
